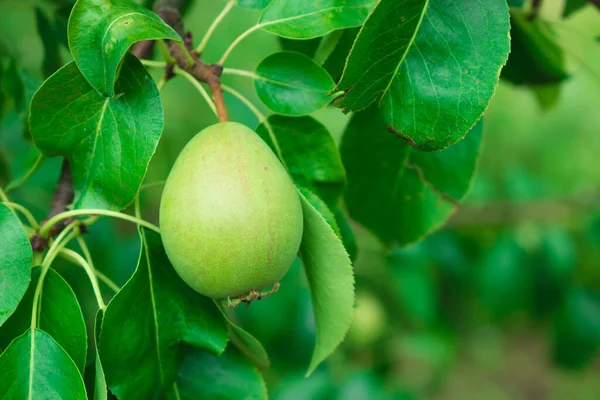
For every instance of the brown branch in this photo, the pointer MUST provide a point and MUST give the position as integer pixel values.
(63, 196)
(188, 60)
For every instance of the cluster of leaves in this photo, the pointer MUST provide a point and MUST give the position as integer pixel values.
(417, 74)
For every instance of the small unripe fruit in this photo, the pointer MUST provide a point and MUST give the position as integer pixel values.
(230, 216)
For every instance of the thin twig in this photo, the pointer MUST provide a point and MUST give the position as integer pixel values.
(213, 26)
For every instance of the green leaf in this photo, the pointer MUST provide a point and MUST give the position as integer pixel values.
(347, 233)
(290, 83)
(108, 141)
(203, 375)
(380, 48)
(257, 4)
(246, 343)
(15, 262)
(399, 193)
(535, 56)
(140, 356)
(322, 208)
(52, 59)
(101, 32)
(442, 83)
(60, 316)
(310, 154)
(100, 390)
(35, 366)
(301, 19)
(331, 280)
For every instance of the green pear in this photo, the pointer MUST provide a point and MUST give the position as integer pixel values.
(230, 216)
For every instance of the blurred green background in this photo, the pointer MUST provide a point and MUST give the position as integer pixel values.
(502, 303)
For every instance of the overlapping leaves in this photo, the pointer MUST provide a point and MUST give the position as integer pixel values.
(414, 192)
(108, 141)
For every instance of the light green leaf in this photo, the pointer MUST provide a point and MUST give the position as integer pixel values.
(35, 366)
(140, 357)
(60, 316)
(203, 375)
(291, 83)
(257, 4)
(310, 154)
(433, 79)
(101, 32)
(109, 142)
(301, 19)
(380, 47)
(399, 193)
(322, 208)
(246, 343)
(15, 262)
(331, 280)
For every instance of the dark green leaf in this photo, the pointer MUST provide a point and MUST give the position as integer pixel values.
(52, 60)
(572, 6)
(399, 193)
(108, 141)
(139, 357)
(577, 329)
(59, 315)
(535, 56)
(380, 47)
(331, 280)
(301, 19)
(246, 343)
(34, 366)
(520, 3)
(335, 63)
(347, 233)
(307, 47)
(310, 154)
(440, 84)
(290, 83)
(203, 375)
(101, 32)
(15, 262)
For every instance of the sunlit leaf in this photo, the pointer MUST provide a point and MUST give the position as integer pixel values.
(15, 262)
(399, 193)
(139, 357)
(290, 83)
(257, 4)
(301, 19)
(34, 366)
(433, 80)
(108, 141)
(331, 280)
(101, 32)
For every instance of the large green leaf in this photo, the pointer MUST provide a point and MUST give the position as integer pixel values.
(108, 141)
(331, 280)
(397, 192)
(442, 83)
(203, 375)
(535, 56)
(101, 32)
(59, 315)
(257, 4)
(310, 154)
(15, 262)
(145, 322)
(301, 19)
(52, 59)
(336, 60)
(34, 366)
(246, 343)
(290, 83)
(380, 47)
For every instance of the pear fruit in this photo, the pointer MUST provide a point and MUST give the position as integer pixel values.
(230, 216)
